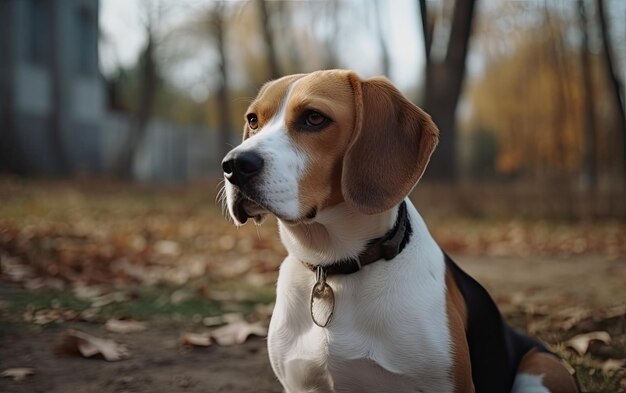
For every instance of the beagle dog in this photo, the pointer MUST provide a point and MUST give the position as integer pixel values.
(366, 299)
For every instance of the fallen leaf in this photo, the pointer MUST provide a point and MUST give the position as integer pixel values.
(44, 283)
(78, 342)
(196, 339)
(88, 292)
(180, 296)
(570, 317)
(17, 373)
(237, 333)
(614, 312)
(613, 364)
(167, 247)
(212, 321)
(90, 314)
(46, 316)
(109, 298)
(580, 343)
(14, 270)
(124, 326)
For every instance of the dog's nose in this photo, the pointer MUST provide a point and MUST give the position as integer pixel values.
(240, 167)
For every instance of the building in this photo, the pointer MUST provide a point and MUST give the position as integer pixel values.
(52, 96)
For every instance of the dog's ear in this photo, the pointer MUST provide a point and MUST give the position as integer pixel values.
(390, 148)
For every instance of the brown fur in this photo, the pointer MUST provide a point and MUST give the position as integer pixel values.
(457, 322)
(267, 102)
(330, 93)
(393, 142)
(556, 378)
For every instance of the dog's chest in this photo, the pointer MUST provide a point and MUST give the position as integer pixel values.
(388, 333)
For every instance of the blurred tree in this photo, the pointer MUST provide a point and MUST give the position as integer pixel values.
(556, 62)
(268, 38)
(217, 23)
(616, 84)
(60, 83)
(543, 94)
(148, 79)
(590, 172)
(483, 152)
(444, 81)
(289, 35)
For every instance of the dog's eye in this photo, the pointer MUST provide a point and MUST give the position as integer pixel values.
(253, 121)
(313, 120)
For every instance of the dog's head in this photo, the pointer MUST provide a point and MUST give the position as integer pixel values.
(312, 141)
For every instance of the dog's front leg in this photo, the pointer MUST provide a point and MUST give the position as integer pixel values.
(302, 376)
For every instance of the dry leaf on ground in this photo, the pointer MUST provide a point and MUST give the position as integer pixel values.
(237, 332)
(78, 342)
(580, 343)
(196, 339)
(613, 364)
(46, 316)
(223, 319)
(212, 321)
(124, 326)
(17, 373)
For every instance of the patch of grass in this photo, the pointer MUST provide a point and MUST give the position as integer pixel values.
(156, 301)
(594, 380)
(19, 301)
(150, 305)
(146, 302)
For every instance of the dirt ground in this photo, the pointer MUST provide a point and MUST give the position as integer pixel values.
(160, 364)
(167, 257)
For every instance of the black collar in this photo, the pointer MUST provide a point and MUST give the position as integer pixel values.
(386, 247)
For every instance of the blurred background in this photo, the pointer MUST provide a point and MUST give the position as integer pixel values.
(115, 114)
(154, 90)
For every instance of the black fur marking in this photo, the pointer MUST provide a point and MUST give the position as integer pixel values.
(496, 349)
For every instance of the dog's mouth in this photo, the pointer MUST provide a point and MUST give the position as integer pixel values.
(245, 208)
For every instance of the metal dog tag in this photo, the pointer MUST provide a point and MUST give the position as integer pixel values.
(322, 299)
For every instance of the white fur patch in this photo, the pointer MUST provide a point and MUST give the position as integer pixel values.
(529, 383)
(388, 333)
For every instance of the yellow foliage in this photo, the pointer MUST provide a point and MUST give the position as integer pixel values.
(529, 94)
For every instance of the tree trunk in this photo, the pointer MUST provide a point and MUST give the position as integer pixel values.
(560, 74)
(616, 84)
(427, 28)
(223, 104)
(290, 39)
(590, 172)
(148, 79)
(11, 156)
(268, 37)
(59, 124)
(444, 81)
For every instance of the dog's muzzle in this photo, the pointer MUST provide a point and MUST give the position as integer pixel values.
(240, 168)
